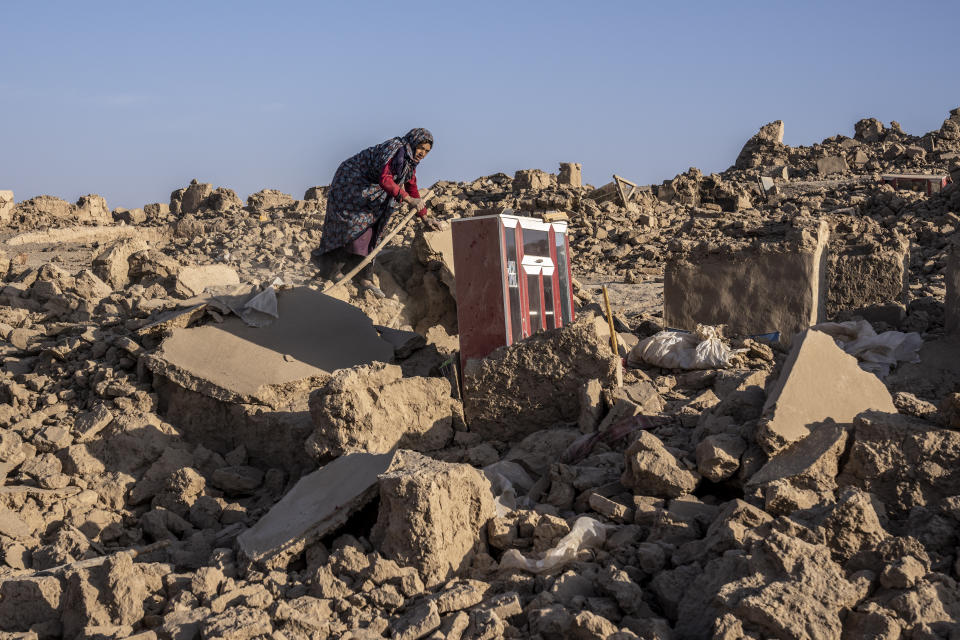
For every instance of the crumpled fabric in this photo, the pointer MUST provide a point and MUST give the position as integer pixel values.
(586, 533)
(702, 349)
(876, 353)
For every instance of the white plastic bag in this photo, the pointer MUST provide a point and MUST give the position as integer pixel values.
(585, 533)
(875, 353)
(702, 349)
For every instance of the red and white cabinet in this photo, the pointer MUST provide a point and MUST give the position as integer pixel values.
(513, 280)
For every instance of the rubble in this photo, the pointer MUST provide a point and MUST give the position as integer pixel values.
(548, 368)
(373, 408)
(159, 456)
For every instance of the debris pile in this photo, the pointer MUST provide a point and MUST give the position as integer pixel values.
(185, 454)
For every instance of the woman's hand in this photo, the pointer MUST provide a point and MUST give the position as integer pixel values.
(416, 203)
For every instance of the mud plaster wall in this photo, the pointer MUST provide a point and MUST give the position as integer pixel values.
(272, 438)
(750, 292)
(859, 278)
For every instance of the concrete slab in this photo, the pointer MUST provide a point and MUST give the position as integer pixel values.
(314, 335)
(318, 504)
(818, 381)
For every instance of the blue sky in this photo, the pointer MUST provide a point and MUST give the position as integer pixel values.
(131, 100)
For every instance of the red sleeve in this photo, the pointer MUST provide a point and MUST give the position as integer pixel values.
(387, 183)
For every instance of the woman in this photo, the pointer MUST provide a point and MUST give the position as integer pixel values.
(364, 193)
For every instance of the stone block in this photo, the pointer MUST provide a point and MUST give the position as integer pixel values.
(222, 199)
(832, 164)
(763, 147)
(535, 383)
(570, 174)
(129, 216)
(779, 286)
(868, 130)
(432, 515)
(819, 381)
(318, 504)
(156, 211)
(373, 408)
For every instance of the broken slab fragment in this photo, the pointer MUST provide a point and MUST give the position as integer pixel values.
(432, 515)
(318, 504)
(819, 381)
(373, 408)
(741, 284)
(535, 383)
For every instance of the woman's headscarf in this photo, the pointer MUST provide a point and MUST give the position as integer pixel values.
(403, 163)
(416, 137)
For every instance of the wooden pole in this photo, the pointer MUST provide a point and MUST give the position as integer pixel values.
(613, 333)
(426, 196)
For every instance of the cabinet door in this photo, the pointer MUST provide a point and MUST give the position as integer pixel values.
(515, 305)
(564, 287)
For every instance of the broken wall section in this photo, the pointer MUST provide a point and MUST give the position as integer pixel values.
(754, 278)
(868, 268)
